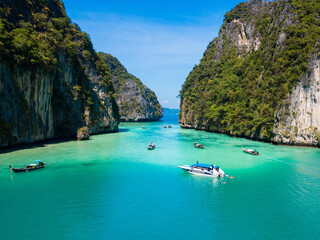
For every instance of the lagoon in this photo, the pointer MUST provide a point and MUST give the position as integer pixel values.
(112, 187)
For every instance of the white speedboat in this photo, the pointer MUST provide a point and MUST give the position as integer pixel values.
(204, 169)
(151, 146)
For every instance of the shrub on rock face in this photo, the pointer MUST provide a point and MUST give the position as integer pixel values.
(83, 133)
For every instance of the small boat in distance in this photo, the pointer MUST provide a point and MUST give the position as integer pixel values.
(151, 146)
(169, 126)
(34, 166)
(203, 169)
(143, 127)
(197, 145)
(250, 151)
(164, 126)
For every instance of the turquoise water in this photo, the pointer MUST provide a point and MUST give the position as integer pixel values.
(112, 187)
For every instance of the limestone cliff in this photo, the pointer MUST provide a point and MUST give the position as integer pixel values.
(260, 77)
(51, 80)
(136, 102)
(298, 121)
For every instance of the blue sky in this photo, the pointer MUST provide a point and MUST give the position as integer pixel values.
(157, 41)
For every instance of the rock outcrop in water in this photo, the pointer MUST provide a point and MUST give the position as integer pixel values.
(136, 102)
(52, 82)
(260, 77)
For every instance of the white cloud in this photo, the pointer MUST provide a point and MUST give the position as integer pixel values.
(165, 101)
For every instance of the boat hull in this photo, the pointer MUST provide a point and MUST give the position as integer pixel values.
(251, 152)
(200, 147)
(26, 169)
(202, 172)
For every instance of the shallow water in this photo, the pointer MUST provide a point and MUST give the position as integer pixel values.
(112, 187)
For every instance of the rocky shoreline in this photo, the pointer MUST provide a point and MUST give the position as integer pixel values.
(250, 138)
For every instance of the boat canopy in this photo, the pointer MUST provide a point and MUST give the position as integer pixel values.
(32, 165)
(203, 165)
(37, 161)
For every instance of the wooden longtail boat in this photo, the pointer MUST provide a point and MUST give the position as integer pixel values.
(201, 146)
(250, 151)
(30, 167)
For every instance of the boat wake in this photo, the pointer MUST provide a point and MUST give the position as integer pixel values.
(277, 160)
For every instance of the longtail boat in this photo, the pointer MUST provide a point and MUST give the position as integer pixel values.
(197, 145)
(250, 151)
(30, 167)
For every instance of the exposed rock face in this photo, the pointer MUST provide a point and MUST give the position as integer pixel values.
(38, 103)
(298, 122)
(83, 134)
(240, 34)
(259, 78)
(136, 102)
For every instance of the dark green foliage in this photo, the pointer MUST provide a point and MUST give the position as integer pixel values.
(39, 41)
(240, 93)
(34, 41)
(118, 70)
(240, 11)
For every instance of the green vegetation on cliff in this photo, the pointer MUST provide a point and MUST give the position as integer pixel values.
(36, 37)
(38, 42)
(238, 92)
(135, 101)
